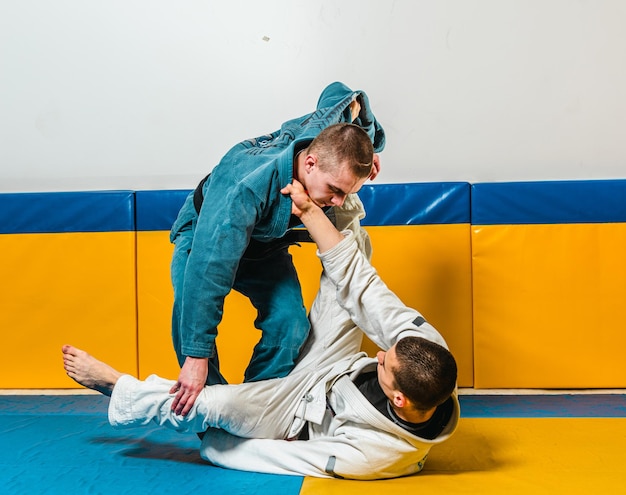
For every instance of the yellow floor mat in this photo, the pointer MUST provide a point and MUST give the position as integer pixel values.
(510, 456)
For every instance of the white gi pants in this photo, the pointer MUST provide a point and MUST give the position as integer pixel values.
(264, 409)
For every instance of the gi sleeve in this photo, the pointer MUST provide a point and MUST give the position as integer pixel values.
(373, 307)
(222, 233)
(341, 456)
(338, 95)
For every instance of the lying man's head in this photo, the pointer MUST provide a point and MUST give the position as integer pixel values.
(417, 374)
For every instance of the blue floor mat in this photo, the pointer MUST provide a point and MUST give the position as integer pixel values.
(544, 406)
(64, 444)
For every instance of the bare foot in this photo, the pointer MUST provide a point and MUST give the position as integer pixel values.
(88, 371)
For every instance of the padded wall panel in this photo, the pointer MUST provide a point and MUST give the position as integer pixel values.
(99, 211)
(154, 306)
(549, 281)
(68, 278)
(156, 211)
(429, 268)
(428, 203)
(421, 238)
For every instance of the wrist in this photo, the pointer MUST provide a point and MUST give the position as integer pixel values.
(311, 213)
(196, 359)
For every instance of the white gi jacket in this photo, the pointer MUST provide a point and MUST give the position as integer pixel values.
(250, 426)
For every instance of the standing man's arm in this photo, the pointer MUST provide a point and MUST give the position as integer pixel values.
(222, 234)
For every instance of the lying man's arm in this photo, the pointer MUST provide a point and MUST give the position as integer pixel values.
(374, 308)
(338, 456)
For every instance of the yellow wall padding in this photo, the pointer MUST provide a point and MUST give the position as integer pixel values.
(549, 305)
(419, 263)
(429, 268)
(58, 288)
(154, 305)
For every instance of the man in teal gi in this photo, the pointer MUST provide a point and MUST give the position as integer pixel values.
(232, 233)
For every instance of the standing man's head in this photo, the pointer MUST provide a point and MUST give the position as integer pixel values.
(336, 163)
(417, 375)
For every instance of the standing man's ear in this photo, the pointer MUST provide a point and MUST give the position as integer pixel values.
(310, 162)
(375, 166)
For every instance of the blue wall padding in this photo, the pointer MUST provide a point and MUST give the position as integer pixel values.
(416, 204)
(550, 202)
(157, 210)
(98, 211)
(385, 204)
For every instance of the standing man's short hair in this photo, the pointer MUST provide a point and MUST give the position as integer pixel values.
(344, 142)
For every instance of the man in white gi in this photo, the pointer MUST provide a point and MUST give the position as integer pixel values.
(339, 413)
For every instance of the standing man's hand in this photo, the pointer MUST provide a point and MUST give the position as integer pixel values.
(375, 166)
(191, 381)
(355, 109)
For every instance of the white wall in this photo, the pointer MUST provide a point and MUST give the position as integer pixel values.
(143, 94)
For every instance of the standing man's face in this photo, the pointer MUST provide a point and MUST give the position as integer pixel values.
(326, 188)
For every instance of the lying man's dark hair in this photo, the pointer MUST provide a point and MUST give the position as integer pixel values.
(426, 373)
